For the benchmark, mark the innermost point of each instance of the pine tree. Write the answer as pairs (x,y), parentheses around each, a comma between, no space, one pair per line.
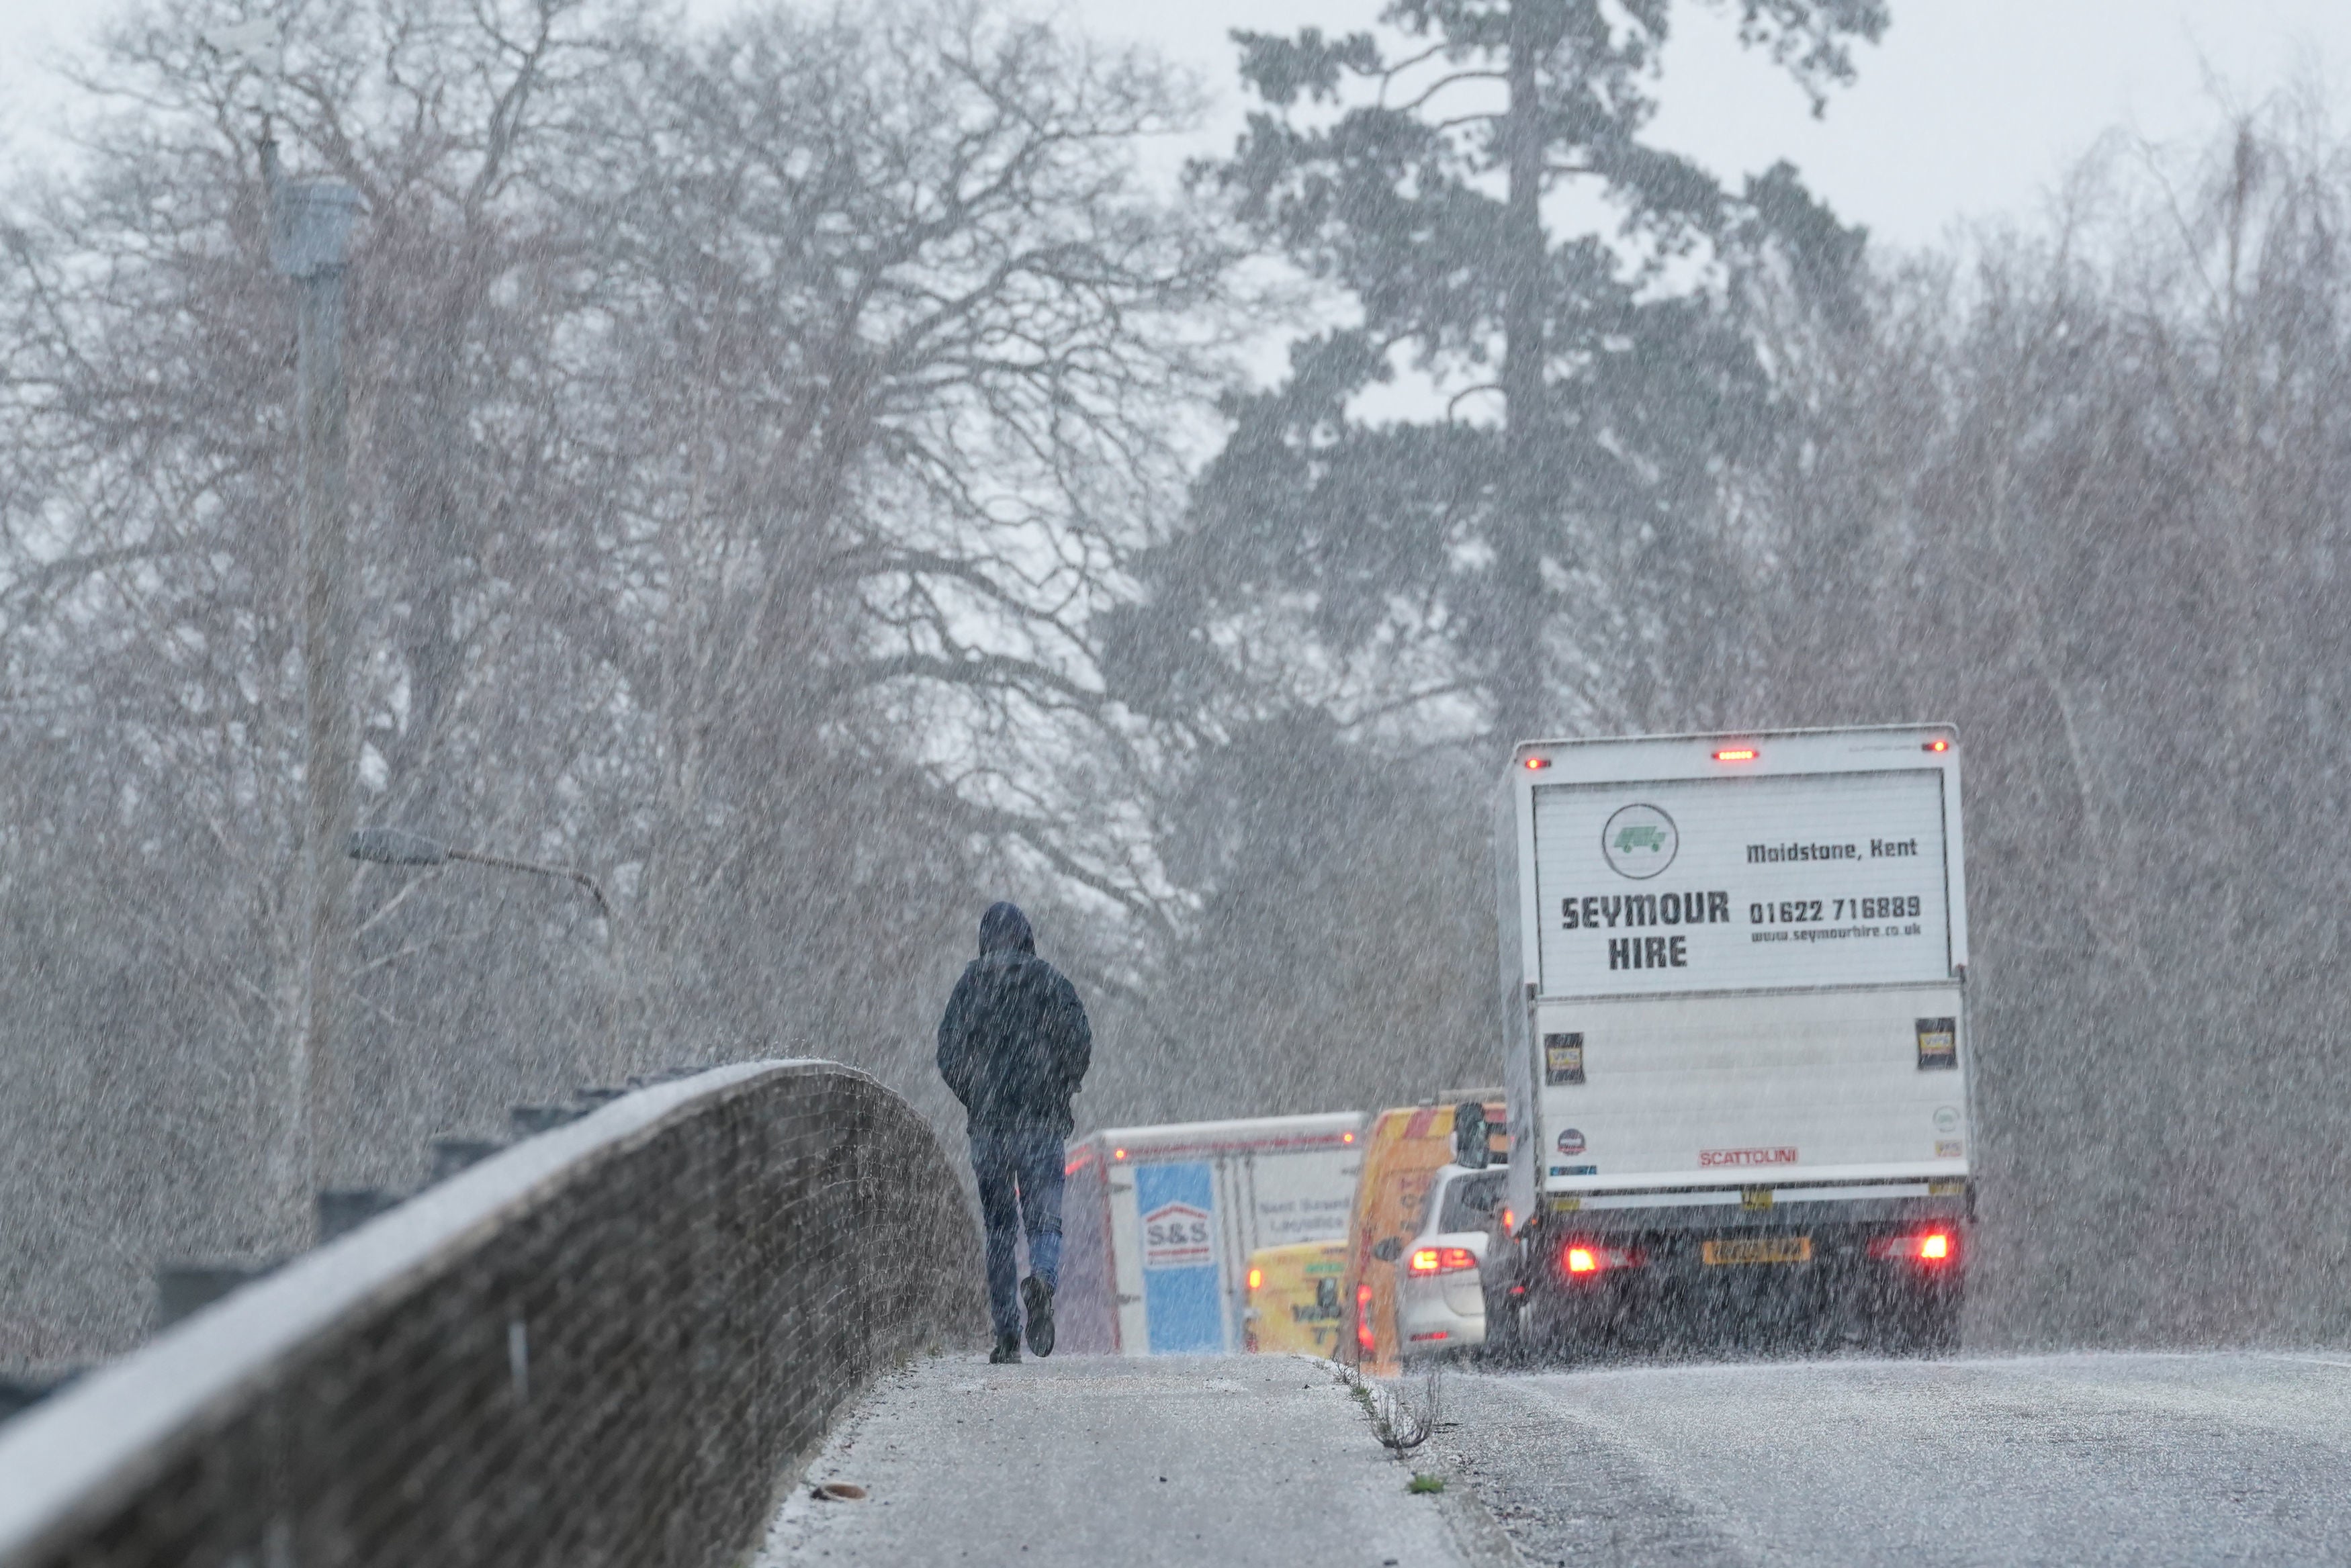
(1547,528)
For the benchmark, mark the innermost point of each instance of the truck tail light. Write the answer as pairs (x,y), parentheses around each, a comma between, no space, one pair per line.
(1257,1280)
(1366,1340)
(1931,1249)
(1426,1261)
(1584,1260)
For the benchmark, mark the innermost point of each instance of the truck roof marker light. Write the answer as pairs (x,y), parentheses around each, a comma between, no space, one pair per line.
(1534,763)
(1936,744)
(1118,1154)
(1737,755)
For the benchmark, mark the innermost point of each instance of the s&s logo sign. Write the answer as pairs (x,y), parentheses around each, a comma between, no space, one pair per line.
(1640,842)
(1176,1236)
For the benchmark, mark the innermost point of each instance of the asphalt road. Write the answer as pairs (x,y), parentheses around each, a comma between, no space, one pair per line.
(2073,1460)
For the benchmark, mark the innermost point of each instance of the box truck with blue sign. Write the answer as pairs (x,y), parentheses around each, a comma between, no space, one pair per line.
(1737,1051)
(1158,1223)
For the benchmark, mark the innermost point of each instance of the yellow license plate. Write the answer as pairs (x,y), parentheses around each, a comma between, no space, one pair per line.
(1760,1250)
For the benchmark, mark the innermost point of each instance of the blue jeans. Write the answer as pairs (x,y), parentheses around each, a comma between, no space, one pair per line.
(1020,1172)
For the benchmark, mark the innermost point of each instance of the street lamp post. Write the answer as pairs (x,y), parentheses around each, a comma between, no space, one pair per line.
(309,234)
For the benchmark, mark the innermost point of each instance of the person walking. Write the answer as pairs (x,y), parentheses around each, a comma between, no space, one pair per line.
(1014,1045)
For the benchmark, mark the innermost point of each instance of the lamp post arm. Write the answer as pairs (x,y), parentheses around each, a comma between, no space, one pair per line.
(503,863)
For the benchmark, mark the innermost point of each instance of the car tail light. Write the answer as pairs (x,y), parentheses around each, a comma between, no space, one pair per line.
(1366,1340)
(1931,1248)
(1585,1258)
(1441,1261)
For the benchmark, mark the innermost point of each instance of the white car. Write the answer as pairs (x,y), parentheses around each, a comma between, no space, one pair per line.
(1440,1284)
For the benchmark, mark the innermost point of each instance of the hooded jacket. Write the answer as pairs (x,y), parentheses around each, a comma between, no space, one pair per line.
(1014,1043)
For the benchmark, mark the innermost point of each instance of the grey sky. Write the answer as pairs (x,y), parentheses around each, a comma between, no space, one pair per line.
(1970,110)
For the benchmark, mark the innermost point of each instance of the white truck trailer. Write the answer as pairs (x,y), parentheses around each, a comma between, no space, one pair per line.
(1158,1223)
(1737,1053)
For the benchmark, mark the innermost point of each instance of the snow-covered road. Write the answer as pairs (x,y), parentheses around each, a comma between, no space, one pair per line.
(2076,1459)
(1094,1462)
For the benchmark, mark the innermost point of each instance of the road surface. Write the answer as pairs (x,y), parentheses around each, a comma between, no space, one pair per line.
(2073,1459)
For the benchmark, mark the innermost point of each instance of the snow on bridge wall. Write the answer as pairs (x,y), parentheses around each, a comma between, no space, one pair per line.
(608,1345)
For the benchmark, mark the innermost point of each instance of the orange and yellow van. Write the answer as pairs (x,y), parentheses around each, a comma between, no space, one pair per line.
(1404,1150)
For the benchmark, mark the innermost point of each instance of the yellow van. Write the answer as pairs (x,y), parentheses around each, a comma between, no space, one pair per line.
(1297,1299)
(1404,1150)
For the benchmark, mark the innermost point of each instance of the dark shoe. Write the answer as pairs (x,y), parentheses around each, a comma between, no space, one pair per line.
(1037,1297)
(1006,1352)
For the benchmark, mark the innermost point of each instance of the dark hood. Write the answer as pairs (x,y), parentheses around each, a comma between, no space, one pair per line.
(1004,929)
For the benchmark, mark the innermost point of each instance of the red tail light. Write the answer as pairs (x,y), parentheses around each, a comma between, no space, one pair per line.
(1737,755)
(1441,1261)
(1930,1249)
(1366,1340)
(1585,1258)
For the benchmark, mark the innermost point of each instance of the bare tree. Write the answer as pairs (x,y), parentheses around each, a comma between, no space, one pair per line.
(746,427)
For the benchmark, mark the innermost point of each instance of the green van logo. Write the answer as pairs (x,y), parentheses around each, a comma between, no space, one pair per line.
(1640,842)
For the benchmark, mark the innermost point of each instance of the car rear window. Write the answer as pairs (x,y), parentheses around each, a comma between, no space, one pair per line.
(1472,1201)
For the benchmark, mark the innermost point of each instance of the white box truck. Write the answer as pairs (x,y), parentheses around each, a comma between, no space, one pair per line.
(1737,1048)
(1158,1223)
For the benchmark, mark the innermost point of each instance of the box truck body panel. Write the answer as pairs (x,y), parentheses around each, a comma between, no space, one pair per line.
(1158,1223)
(1751,1088)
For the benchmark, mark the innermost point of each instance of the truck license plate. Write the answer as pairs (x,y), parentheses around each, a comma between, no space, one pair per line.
(1758,1250)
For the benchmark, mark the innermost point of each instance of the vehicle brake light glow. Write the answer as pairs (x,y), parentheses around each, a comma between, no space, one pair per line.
(1737,755)
(1938,744)
(1257,1279)
(1429,1260)
(1932,1248)
(1509,1223)
(1346,1137)
(1534,763)
(1118,1154)
(1366,1340)
(1587,1258)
